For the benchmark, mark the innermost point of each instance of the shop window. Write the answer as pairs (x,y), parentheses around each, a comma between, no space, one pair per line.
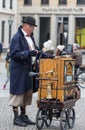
(27,2)
(80,1)
(80,32)
(44,2)
(62,31)
(62,2)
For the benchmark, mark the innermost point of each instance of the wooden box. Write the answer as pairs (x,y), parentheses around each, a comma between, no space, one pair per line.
(58,73)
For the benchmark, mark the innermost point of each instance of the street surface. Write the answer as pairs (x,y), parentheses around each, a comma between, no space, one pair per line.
(6,114)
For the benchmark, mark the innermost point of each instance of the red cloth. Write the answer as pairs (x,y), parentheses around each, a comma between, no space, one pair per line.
(28,35)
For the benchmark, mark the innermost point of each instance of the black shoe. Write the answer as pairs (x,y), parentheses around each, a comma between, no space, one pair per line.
(18,121)
(27,120)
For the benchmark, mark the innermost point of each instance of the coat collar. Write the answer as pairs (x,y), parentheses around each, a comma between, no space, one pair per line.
(20,31)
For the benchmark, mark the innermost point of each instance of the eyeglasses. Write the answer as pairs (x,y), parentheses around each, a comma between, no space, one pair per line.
(31,26)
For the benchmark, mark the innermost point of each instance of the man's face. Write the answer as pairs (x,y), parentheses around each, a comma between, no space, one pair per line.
(30,28)
(74,48)
(57,51)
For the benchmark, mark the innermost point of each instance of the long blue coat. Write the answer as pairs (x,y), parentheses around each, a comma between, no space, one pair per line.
(20,64)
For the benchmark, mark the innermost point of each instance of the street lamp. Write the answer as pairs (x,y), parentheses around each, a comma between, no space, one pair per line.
(10,21)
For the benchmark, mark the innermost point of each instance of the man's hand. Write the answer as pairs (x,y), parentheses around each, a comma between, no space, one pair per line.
(33,52)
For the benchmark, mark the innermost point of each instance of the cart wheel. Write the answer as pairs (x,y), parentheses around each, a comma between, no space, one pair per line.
(63,120)
(48,118)
(81,79)
(71,117)
(39,119)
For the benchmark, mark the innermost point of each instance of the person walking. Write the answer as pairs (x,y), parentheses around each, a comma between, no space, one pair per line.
(1,49)
(77,55)
(7,65)
(23,51)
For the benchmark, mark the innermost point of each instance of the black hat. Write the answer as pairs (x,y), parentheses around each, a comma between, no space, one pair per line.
(30,20)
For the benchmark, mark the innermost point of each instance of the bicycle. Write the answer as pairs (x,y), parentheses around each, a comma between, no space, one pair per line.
(81,76)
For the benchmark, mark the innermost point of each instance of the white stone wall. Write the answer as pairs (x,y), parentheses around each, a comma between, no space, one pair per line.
(5,14)
(53,10)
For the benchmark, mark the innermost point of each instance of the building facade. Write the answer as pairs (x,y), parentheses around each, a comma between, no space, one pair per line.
(62,21)
(8,11)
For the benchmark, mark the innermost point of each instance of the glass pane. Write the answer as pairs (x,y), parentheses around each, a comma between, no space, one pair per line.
(28,2)
(80,31)
(80,1)
(62,1)
(3,4)
(11,1)
(3,28)
(44,1)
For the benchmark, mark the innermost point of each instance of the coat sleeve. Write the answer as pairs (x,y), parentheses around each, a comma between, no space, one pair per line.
(19,51)
(73,55)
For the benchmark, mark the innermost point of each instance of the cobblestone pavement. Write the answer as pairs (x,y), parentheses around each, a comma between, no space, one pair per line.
(6,114)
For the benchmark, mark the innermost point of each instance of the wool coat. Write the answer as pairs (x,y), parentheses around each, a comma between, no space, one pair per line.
(20,64)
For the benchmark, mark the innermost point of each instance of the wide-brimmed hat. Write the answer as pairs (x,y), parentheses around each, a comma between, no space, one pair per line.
(30,20)
(61,47)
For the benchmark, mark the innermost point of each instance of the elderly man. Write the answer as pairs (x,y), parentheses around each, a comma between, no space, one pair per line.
(23,51)
(77,55)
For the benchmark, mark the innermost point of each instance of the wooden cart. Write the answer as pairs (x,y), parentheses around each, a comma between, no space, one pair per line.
(56,94)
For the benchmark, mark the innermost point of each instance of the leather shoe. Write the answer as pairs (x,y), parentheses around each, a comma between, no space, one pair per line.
(18,121)
(27,120)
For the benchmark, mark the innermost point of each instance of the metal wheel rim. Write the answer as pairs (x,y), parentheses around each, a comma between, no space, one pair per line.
(39,119)
(48,119)
(63,120)
(71,118)
(81,80)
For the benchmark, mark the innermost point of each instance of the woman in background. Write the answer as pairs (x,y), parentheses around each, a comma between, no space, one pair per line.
(7,65)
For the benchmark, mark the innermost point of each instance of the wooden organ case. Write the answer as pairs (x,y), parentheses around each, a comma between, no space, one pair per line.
(57,79)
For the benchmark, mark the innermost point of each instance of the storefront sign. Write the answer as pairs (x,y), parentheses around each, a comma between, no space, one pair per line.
(63,10)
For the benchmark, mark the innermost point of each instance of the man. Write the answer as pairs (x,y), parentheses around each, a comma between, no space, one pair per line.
(23,52)
(77,55)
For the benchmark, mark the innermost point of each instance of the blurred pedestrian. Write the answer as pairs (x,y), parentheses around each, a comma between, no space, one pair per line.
(7,65)
(23,52)
(48,47)
(77,55)
(1,49)
(59,50)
